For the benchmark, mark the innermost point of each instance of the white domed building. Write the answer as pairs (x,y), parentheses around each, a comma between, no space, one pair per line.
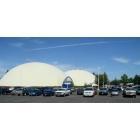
(79,78)
(33,74)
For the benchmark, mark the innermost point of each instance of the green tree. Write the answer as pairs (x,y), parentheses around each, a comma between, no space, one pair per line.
(137,80)
(96,79)
(115,82)
(87,85)
(124,79)
(130,80)
(101,79)
(105,78)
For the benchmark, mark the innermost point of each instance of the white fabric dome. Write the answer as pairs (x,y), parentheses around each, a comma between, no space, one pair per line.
(81,77)
(33,74)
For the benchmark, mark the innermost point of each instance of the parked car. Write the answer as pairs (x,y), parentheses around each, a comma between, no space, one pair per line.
(115,92)
(6,91)
(19,92)
(62,92)
(70,90)
(80,91)
(89,92)
(129,91)
(34,92)
(103,91)
(137,89)
(1,91)
(48,92)
(73,90)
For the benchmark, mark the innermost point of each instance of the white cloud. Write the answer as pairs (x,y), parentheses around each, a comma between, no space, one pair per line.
(137,63)
(66,67)
(17,44)
(68,45)
(38,41)
(29,60)
(3,69)
(121,60)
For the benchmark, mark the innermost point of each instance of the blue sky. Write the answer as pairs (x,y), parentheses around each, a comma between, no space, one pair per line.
(112,55)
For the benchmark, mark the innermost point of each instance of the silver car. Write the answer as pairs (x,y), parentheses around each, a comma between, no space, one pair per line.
(18,91)
(62,92)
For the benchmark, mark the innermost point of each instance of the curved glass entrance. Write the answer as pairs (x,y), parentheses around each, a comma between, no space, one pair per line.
(68,83)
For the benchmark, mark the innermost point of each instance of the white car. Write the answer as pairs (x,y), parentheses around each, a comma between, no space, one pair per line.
(89,92)
(129,92)
(115,92)
(62,92)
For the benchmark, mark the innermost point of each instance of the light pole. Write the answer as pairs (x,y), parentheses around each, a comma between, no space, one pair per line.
(98,77)
(99,68)
(98,81)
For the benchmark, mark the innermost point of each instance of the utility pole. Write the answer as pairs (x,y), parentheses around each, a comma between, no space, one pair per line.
(98,77)
(98,80)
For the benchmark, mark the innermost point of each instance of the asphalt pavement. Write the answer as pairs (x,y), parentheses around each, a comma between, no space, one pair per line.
(68,99)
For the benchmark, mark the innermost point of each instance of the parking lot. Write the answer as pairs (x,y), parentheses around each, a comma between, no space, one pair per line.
(68,99)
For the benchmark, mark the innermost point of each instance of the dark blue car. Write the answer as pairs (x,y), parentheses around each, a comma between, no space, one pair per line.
(48,92)
(34,92)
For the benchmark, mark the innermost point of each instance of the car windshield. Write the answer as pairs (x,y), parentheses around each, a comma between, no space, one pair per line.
(129,88)
(80,89)
(137,88)
(33,90)
(115,90)
(61,89)
(48,89)
(88,89)
(103,89)
(18,89)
